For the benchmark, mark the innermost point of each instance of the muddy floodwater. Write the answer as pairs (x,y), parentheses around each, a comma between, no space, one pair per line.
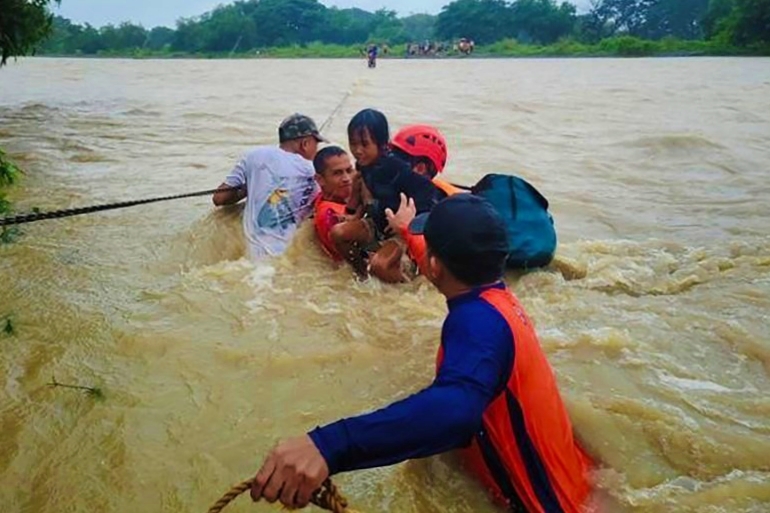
(654,314)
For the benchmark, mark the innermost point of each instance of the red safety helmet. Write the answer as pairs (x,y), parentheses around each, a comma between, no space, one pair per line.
(422,141)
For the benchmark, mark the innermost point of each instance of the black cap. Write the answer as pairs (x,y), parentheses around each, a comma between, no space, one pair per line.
(462,227)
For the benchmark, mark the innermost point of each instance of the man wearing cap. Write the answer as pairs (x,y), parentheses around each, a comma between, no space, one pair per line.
(279,185)
(494,394)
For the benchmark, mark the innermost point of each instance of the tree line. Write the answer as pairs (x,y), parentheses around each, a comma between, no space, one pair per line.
(249,25)
(245,25)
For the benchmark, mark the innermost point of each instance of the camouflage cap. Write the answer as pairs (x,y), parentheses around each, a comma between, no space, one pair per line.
(296,126)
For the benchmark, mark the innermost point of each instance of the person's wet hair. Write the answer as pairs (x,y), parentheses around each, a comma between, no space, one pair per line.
(372,121)
(319,162)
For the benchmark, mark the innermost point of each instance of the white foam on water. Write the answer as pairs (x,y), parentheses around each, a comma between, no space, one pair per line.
(699,385)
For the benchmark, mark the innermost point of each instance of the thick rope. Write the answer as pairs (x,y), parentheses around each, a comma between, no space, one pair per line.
(39,216)
(327,497)
(328,121)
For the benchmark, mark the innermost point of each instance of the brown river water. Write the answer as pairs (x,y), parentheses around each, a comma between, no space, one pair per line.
(654,313)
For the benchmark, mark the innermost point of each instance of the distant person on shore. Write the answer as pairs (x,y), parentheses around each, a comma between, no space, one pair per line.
(279,185)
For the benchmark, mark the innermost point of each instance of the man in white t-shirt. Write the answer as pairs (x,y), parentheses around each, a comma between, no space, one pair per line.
(279,185)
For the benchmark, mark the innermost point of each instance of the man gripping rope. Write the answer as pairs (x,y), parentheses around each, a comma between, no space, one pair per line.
(279,185)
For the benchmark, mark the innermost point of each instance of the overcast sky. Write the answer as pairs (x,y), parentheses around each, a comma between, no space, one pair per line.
(151,13)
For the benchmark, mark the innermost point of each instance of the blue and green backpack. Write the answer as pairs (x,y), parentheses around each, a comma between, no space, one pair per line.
(531,231)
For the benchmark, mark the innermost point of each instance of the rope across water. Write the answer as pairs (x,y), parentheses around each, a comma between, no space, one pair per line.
(39,216)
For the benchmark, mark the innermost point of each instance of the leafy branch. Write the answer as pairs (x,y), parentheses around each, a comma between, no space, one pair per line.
(23,25)
(9,235)
(8,328)
(9,172)
(95,392)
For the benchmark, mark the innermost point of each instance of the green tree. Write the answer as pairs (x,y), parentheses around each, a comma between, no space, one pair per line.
(386,26)
(542,21)
(68,38)
(419,27)
(287,22)
(59,37)
(621,16)
(189,35)
(590,28)
(484,21)
(88,40)
(678,18)
(159,38)
(250,24)
(229,27)
(717,13)
(650,19)
(748,22)
(345,26)
(126,36)
(23,25)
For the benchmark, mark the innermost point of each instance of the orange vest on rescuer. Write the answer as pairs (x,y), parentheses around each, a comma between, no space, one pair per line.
(525,453)
(447,187)
(327,214)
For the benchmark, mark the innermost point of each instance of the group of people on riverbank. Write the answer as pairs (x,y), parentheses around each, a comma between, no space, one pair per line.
(430,48)
(386,212)
(427,48)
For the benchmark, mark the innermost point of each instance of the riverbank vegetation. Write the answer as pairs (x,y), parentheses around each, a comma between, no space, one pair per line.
(621,46)
(499,28)
(24,24)
(9,174)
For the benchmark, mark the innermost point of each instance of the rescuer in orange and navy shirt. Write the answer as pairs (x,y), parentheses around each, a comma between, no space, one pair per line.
(334,173)
(494,394)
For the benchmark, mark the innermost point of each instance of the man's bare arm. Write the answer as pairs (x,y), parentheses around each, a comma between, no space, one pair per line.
(227,195)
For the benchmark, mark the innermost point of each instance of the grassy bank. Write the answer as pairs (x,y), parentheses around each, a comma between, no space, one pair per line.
(9,174)
(624,46)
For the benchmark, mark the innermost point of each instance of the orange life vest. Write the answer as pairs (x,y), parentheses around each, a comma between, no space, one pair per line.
(326,216)
(447,187)
(525,452)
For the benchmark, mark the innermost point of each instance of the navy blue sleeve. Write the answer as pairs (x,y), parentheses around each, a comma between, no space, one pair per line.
(478,357)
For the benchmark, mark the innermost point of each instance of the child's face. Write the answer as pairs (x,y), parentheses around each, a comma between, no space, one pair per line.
(363,148)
